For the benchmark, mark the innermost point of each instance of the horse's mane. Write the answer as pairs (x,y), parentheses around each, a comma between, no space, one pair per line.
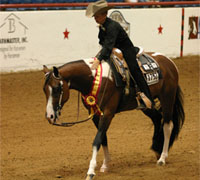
(69,63)
(48,75)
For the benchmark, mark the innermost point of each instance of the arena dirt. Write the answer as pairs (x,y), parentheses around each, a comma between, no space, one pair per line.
(32,149)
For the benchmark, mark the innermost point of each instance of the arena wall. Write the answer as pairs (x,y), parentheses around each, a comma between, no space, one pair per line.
(29,39)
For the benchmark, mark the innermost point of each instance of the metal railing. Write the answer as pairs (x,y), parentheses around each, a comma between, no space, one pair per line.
(114,4)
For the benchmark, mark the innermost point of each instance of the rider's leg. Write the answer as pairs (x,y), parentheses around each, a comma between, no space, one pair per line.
(130,57)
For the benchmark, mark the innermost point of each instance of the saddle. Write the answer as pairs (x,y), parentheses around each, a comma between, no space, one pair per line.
(148,66)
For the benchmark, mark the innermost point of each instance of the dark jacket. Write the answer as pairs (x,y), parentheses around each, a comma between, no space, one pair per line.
(112,35)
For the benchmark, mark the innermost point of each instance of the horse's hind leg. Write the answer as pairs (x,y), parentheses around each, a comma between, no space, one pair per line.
(167,128)
(158,137)
(167,103)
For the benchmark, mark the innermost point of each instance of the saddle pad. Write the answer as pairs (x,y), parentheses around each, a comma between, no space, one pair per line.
(147,64)
(149,68)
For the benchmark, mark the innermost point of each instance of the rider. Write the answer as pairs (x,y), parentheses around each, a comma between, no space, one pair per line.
(112,35)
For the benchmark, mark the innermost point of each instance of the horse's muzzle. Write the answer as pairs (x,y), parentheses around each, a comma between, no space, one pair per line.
(52,118)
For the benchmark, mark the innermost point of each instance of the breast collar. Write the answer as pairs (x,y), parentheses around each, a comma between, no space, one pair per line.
(91,99)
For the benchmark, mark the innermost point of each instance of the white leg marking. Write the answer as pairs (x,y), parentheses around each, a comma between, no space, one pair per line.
(167,128)
(93,162)
(49,108)
(106,160)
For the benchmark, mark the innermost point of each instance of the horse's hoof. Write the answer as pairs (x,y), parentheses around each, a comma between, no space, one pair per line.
(103,169)
(161,163)
(89,177)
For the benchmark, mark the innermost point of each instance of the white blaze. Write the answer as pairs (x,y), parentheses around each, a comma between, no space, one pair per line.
(49,108)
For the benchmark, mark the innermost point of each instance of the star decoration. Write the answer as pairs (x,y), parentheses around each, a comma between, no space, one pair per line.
(160,29)
(66,34)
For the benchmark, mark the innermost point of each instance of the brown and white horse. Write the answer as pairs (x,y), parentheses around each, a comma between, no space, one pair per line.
(105,99)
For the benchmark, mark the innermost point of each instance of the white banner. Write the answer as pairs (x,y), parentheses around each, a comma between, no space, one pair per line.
(155,29)
(30,39)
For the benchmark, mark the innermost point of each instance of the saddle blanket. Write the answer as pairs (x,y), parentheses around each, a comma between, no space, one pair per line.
(147,64)
(149,68)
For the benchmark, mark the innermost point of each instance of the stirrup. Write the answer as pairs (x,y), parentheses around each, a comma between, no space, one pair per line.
(143,102)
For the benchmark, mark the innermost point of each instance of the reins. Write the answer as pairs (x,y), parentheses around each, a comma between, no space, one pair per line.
(69,124)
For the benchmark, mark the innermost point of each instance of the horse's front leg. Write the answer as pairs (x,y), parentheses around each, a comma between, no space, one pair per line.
(96,145)
(104,143)
(92,166)
(105,165)
(101,134)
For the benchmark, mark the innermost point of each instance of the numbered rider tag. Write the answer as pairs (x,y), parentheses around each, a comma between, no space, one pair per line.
(152,78)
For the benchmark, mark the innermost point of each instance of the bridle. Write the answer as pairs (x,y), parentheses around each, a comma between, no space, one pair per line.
(59,107)
(58,111)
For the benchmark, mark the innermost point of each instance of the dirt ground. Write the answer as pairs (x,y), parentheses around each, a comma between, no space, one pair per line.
(32,149)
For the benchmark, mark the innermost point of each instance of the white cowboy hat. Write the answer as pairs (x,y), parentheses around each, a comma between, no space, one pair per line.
(97,7)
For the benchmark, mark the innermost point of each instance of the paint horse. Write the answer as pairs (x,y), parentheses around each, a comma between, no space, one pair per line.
(103,100)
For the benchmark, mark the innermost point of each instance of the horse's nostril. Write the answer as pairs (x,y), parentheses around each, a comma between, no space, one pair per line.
(52,116)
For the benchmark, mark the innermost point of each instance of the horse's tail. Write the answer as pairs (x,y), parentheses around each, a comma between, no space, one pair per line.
(178,116)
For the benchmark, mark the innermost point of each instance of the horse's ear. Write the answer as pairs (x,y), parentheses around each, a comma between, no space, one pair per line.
(45,69)
(56,73)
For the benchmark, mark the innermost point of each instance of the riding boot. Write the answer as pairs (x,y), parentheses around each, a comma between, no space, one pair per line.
(141,82)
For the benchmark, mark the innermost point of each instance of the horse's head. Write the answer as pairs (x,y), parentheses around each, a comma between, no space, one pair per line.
(57,93)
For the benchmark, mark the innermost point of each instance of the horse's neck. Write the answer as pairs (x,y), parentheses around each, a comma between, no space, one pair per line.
(78,75)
